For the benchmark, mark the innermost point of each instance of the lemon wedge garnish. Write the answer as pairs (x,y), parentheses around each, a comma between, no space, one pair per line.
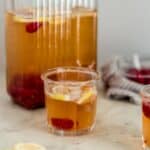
(60,92)
(28,20)
(60,97)
(28,146)
(85,97)
(57,20)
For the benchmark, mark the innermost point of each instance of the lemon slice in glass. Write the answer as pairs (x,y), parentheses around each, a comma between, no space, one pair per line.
(60,97)
(28,146)
(85,97)
(60,92)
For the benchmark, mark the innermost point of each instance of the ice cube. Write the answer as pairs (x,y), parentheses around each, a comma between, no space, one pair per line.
(60,89)
(75,93)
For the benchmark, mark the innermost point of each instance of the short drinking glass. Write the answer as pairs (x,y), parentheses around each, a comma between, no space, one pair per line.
(71,96)
(146,116)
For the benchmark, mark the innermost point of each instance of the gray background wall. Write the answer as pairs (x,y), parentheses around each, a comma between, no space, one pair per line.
(2,49)
(124,28)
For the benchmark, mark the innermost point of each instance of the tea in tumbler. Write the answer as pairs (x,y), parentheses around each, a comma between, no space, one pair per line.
(71,97)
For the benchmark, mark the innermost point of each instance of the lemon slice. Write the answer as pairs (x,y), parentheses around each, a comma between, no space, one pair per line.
(28,146)
(55,20)
(60,92)
(85,97)
(60,97)
(28,20)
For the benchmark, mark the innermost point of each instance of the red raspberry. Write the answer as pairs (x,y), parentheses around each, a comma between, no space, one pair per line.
(146,109)
(27,91)
(33,27)
(64,124)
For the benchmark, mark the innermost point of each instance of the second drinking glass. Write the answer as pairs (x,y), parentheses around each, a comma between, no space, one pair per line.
(145,93)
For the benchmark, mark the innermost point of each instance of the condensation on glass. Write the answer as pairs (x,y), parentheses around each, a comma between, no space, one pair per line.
(42,34)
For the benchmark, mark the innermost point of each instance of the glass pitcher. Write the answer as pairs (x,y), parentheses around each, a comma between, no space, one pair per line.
(43,34)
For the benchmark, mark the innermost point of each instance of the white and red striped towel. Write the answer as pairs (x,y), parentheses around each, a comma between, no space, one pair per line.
(118,86)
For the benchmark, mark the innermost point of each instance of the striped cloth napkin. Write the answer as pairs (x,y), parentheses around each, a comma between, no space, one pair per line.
(118,86)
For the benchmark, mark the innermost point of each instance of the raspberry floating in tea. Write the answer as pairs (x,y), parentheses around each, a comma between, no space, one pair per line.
(33,27)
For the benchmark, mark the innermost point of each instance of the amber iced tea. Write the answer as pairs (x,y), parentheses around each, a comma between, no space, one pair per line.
(146,116)
(71,97)
(35,43)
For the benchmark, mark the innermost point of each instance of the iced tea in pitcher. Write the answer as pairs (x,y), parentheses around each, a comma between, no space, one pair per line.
(41,38)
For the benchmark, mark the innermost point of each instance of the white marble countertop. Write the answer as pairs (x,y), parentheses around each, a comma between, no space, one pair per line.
(118,127)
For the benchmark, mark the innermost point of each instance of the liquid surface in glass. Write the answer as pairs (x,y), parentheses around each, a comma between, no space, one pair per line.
(36,43)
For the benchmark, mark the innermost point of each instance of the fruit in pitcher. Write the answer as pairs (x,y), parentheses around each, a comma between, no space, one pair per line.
(33,27)
(27,90)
